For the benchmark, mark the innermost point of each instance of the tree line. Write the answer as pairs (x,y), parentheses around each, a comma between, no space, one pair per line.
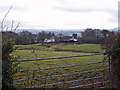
(87,36)
(26,37)
(95,35)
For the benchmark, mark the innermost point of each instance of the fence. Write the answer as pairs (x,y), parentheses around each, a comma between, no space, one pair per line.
(65,72)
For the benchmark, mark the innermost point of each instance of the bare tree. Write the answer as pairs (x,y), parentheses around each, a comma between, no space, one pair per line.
(2,23)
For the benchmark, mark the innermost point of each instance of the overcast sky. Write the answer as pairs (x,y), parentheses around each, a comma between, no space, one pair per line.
(61,14)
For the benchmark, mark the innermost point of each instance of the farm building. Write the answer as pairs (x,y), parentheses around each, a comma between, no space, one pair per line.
(72,40)
(49,40)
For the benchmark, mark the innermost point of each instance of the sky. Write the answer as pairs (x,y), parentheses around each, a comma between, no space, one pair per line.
(60,14)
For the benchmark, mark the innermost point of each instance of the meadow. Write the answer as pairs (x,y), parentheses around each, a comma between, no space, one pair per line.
(38,51)
(95,48)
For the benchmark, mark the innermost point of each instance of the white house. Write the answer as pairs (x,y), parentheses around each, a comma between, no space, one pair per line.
(49,40)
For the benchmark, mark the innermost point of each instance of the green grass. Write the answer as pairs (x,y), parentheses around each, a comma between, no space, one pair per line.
(82,47)
(33,47)
(25,52)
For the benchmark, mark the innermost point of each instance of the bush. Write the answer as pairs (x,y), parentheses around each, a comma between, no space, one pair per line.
(112,48)
(115,63)
(9,64)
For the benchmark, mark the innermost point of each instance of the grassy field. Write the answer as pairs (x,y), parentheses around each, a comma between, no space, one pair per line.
(33,46)
(38,51)
(26,54)
(83,47)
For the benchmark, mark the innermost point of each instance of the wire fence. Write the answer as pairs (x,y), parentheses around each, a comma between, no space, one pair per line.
(64,72)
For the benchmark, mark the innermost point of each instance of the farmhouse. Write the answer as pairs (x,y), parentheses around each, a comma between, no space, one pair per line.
(49,40)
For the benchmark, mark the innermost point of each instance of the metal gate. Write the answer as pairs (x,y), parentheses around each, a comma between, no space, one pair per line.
(66,74)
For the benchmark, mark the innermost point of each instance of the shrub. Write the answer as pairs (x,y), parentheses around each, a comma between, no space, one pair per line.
(112,48)
(9,64)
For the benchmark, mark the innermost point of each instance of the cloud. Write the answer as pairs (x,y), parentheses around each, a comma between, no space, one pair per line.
(18,8)
(110,11)
(4,8)
(61,13)
(84,10)
(114,19)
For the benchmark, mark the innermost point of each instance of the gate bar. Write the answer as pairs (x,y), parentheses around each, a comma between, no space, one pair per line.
(67,82)
(59,57)
(60,66)
(59,75)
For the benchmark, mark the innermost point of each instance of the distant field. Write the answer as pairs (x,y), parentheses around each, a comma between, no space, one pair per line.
(32,47)
(25,52)
(83,47)
(39,51)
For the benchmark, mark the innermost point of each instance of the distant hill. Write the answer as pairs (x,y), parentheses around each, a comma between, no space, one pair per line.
(55,31)
(114,30)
